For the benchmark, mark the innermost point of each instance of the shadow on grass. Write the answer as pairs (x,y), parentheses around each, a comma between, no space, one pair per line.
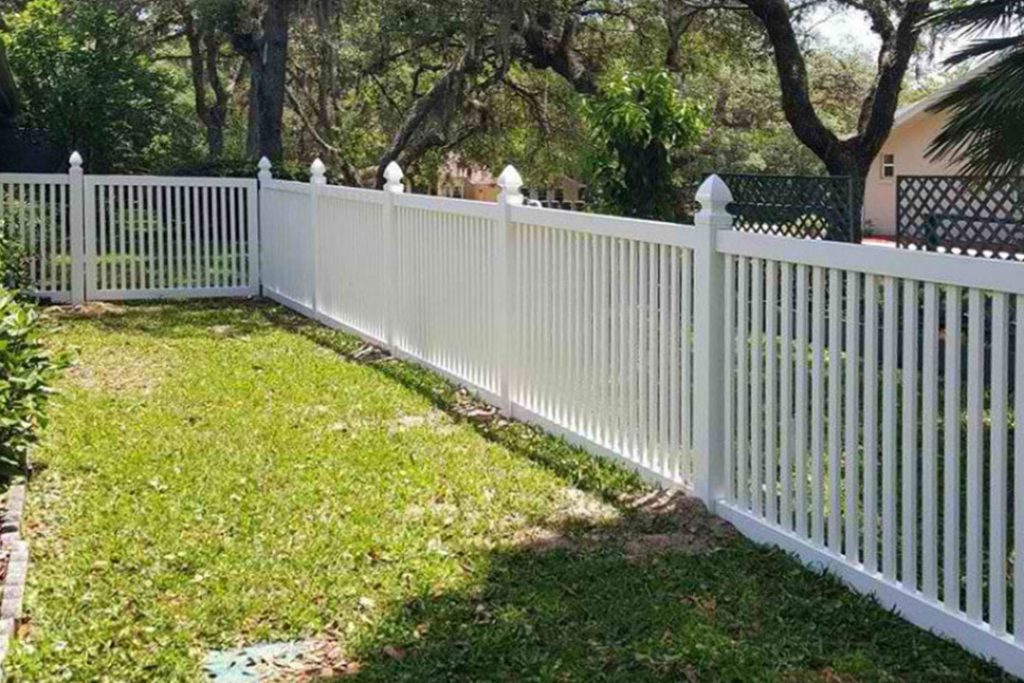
(598,613)
(172,319)
(658,597)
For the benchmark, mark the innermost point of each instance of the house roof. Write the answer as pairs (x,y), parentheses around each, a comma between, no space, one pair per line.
(915,110)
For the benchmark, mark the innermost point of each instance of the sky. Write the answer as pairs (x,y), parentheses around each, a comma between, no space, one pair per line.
(846,28)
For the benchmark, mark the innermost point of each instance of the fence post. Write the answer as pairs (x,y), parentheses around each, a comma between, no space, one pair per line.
(510,183)
(256,229)
(76,186)
(392,185)
(709,341)
(317,179)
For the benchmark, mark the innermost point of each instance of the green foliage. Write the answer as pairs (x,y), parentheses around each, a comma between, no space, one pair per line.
(238,167)
(86,78)
(985,127)
(637,123)
(27,371)
(14,259)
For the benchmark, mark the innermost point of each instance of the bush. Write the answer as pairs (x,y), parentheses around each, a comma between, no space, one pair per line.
(227,167)
(27,372)
(14,259)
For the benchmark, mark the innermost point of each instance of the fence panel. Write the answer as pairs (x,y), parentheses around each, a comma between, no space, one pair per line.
(352,259)
(603,331)
(902,470)
(36,210)
(969,215)
(149,237)
(287,240)
(444,312)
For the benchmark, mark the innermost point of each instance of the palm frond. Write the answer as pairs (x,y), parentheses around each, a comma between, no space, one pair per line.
(977,17)
(985,129)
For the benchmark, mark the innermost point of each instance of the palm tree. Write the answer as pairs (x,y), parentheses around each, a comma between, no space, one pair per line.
(985,129)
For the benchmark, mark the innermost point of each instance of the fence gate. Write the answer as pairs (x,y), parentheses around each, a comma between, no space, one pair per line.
(148,237)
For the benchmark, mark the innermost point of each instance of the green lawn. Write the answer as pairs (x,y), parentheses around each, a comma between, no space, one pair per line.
(227,474)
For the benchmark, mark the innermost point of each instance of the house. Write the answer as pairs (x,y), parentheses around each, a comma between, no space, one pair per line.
(905,153)
(466,180)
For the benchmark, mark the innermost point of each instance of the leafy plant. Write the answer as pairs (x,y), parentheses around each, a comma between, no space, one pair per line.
(985,128)
(27,372)
(84,79)
(636,125)
(14,258)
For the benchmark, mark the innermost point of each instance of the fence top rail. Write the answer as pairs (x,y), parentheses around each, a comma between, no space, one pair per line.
(48,178)
(946,269)
(462,207)
(287,186)
(355,194)
(672,234)
(169,181)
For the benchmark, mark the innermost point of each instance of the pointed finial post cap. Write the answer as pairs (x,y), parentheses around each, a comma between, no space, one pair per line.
(75,160)
(393,177)
(510,183)
(264,166)
(713,195)
(317,172)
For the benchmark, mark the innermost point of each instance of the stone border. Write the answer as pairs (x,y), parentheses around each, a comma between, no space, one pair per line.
(17,567)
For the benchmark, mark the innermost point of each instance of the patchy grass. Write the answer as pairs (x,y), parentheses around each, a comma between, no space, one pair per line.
(219,475)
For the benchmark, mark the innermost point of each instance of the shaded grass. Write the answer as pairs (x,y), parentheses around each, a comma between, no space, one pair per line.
(253,481)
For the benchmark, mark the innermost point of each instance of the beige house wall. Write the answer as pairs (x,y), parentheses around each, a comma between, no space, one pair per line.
(907,143)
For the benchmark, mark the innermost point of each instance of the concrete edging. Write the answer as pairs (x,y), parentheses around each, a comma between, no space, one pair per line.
(13,592)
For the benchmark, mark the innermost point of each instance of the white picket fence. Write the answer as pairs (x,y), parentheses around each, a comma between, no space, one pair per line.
(133,237)
(856,405)
(860,406)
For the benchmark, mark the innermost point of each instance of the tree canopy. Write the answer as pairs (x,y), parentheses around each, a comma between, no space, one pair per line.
(177,85)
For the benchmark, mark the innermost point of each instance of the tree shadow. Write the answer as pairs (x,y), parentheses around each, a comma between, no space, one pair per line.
(619,603)
(170,319)
(665,592)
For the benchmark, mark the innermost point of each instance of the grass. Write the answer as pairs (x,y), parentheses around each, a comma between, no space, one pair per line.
(227,474)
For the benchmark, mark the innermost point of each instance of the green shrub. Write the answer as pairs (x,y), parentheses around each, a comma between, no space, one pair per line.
(27,372)
(14,258)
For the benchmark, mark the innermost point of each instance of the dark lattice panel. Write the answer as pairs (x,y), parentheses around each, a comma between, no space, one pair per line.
(793,206)
(980,216)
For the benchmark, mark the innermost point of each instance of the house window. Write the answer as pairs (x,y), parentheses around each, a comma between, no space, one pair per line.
(888,166)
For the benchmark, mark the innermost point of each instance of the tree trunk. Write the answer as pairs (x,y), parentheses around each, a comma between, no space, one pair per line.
(271,92)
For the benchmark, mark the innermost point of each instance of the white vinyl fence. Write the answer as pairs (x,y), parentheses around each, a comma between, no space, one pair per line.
(133,237)
(860,406)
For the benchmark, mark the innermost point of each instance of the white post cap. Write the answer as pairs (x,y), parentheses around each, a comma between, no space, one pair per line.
(714,197)
(393,178)
(75,160)
(510,183)
(264,166)
(317,172)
